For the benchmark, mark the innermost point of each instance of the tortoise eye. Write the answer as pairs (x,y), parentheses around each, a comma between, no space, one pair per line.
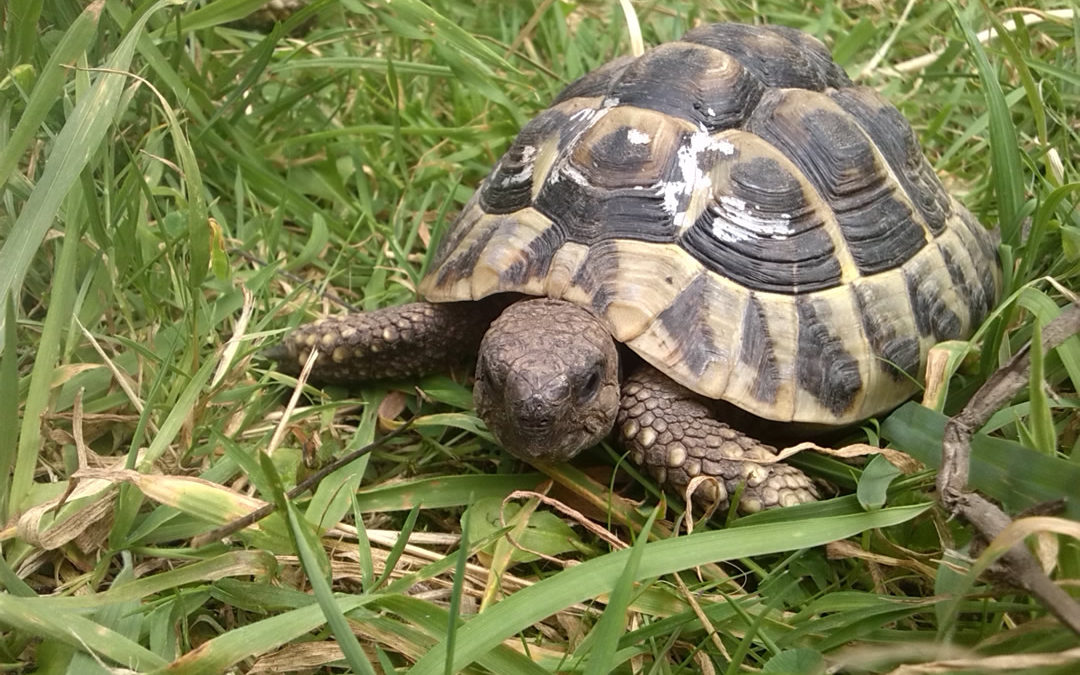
(591,386)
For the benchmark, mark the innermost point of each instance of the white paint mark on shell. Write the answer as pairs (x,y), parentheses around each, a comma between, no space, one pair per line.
(739,221)
(528,154)
(638,137)
(573,174)
(584,119)
(690,174)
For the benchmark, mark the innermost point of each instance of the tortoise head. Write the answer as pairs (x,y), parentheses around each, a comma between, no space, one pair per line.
(547,380)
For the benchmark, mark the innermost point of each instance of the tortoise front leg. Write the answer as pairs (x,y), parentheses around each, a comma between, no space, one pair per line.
(399,342)
(670,430)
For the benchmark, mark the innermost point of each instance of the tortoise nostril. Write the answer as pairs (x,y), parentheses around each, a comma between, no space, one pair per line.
(536,414)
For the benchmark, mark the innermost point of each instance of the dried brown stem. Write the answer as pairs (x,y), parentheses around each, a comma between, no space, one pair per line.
(1020,566)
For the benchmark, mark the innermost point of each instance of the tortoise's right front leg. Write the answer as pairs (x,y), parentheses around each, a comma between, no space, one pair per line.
(399,342)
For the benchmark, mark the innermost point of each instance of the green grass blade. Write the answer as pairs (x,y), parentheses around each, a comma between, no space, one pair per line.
(19,40)
(1046,310)
(874,482)
(257,637)
(454,611)
(432,619)
(57,320)
(33,618)
(599,575)
(612,624)
(179,412)
(1017,476)
(441,492)
(9,403)
(315,563)
(399,545)
(1007,168)
(49,85)
(1042,422)
(74,146)
(218,13)
(230,564)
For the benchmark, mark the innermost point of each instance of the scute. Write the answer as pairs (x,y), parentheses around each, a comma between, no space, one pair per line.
(762,225)
(701,85)
(843,165)
(779,56)
(740,215)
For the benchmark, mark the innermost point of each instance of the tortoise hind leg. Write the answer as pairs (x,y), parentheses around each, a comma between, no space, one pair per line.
(394,342)
(670,430)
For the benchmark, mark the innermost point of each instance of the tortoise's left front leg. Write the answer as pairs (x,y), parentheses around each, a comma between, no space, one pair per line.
(673,432)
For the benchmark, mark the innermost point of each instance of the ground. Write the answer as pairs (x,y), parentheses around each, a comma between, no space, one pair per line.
(177,188)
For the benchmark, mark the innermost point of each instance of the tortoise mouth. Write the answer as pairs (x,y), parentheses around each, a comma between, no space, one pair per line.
(536,428)
(549,447)
(554,434)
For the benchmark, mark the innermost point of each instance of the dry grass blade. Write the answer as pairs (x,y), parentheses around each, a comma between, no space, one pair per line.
(993,664)
(1030,17)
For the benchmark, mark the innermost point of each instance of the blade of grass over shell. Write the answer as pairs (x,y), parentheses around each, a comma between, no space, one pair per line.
(1008,170)
(73,148)
(599,575)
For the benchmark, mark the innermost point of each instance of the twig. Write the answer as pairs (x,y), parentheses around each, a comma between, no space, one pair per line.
(1020,566)
(299,489)
(1028,18)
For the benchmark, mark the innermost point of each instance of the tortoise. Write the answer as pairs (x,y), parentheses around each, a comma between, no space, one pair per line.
(725,222)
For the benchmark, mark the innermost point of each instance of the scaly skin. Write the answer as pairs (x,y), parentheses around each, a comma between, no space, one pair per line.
(547,387)
(547,380)
(393,342)
(672,432)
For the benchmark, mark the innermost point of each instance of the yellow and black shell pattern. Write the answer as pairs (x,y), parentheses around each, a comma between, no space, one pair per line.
(740,215)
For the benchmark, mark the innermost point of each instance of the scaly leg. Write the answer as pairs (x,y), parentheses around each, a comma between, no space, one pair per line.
(399,342)
(672,431)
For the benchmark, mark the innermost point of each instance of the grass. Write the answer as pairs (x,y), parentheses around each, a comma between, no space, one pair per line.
(176,189)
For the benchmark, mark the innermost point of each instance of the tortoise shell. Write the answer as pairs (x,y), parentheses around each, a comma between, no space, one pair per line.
(740,215)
